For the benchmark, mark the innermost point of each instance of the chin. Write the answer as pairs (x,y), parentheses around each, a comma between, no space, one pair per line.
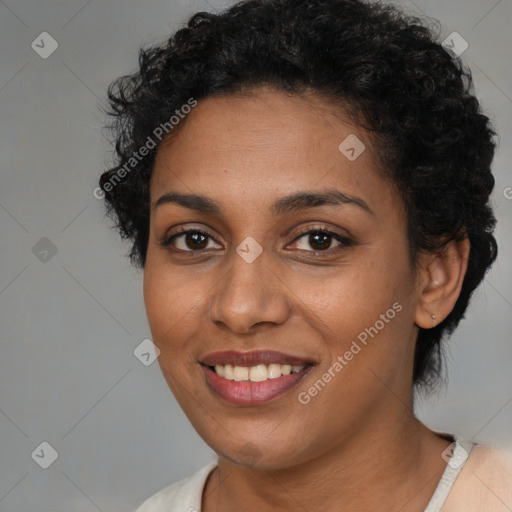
(259,453)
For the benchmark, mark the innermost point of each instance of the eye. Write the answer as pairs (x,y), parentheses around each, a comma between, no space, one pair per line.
(194,240)
(188,240)
(321,239)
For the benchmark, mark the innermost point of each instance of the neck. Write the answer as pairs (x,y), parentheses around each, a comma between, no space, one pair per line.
(400,461)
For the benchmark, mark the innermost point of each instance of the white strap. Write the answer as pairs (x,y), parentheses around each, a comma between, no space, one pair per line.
(461,450)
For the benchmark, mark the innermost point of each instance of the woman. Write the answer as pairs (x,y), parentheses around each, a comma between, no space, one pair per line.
(306,185)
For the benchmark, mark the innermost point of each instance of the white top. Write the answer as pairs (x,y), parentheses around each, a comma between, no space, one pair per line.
(476,479)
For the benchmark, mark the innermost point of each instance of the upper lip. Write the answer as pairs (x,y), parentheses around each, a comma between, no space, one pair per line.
(252,358)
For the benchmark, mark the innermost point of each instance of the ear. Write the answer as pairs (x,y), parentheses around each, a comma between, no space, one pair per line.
(440,281)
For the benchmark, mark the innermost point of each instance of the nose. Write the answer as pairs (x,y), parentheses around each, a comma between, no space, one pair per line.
(250,293)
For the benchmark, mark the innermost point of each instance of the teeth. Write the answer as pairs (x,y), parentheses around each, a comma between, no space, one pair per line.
(228,371)
(274,371)
(240,373)
(257,373)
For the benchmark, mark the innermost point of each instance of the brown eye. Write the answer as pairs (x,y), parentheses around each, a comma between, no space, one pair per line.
(321,240)
(189,240)
(193,240)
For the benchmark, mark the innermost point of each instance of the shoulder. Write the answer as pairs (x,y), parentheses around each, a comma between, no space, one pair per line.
(484,483)
(184,495)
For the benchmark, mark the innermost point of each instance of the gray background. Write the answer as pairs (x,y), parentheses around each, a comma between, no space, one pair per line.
(68,375)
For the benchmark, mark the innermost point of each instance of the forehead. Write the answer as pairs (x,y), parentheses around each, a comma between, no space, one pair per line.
(266,143)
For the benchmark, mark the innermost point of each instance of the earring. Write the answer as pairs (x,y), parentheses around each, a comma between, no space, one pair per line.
(434,319)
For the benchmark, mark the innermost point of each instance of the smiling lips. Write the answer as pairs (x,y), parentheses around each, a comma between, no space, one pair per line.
(257,373)
(251,378)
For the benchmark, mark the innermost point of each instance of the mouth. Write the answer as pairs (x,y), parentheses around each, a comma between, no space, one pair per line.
(258,373)
(253,378)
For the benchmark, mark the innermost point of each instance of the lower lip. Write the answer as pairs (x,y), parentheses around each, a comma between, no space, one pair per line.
(252,393)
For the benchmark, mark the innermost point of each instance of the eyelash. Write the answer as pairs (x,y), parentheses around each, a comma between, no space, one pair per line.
(345,242)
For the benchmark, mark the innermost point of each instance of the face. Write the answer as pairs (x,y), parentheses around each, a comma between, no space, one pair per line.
(247,280)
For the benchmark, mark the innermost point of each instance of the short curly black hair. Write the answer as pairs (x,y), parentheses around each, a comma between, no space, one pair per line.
(394,78)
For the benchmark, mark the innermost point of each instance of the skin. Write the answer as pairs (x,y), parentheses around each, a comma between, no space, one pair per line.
(359,432)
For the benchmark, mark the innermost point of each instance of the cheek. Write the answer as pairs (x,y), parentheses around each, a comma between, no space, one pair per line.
(172,315)
(171,305)
(352,297)
(369,304)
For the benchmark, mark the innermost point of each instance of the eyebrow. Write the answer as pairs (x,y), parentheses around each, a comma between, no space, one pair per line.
(285,205)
